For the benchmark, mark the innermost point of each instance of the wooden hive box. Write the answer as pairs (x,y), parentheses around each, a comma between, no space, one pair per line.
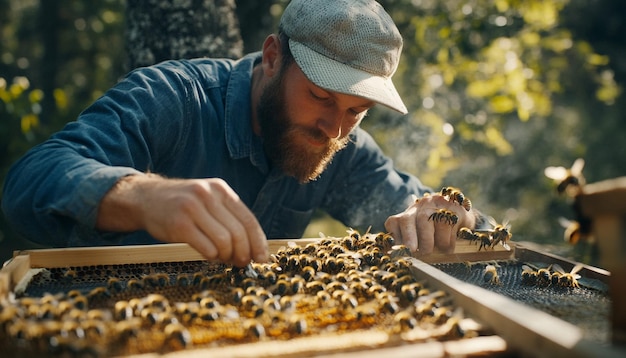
(518,330)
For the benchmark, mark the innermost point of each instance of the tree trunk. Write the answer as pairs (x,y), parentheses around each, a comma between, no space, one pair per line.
(158,30)
(49,22)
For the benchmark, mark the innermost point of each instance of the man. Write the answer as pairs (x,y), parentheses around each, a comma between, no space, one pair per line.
(223,154)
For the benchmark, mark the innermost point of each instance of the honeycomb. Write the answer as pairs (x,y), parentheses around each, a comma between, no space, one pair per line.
(581,301)
(357,282)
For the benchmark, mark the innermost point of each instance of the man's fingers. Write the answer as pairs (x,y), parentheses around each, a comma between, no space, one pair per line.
(425,235)
(197,240)
(256,243)
(443,233)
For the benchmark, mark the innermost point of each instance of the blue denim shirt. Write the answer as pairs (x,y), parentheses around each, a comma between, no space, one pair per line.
(189,119)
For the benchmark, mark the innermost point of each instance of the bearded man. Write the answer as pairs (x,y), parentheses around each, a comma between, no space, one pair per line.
(224,154)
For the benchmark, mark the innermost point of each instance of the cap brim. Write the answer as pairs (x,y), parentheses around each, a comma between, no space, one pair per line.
(339,77)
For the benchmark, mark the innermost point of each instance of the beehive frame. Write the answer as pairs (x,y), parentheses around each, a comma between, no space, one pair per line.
(518,327)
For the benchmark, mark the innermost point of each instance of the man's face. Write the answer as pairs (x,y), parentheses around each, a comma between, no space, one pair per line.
(303,125)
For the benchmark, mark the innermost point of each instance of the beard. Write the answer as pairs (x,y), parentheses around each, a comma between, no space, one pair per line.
(286,144)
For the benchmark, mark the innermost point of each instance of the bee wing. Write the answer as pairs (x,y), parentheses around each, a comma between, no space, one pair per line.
(492,221)
(575,270)
(505,245)
(555,173)
(529,267)
(565,222)
(558,268)
(577,167)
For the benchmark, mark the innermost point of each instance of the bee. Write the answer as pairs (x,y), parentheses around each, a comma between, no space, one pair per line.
(134,284)
(156,280)
(399,250)
(115,285)
(156,301)
(467,234)
(42,311)
(388,304)
(385,240)
(73,294)
(315,286)
(348,300)
(98,292)
(249,302)
(93,329)
(177,336)
(308,273)
(254,329)
(323,296)
(209,302)
(405,320)
(99,315)
(569,181)
(122,310)
(70,274)
(297,325)
(455,195)
(444,215)
(272,304)
(485,240)
(566,279)
(269,276)
(491,275)
(184,280)
(282,287)
(544,276)
(500,233)
(529,275)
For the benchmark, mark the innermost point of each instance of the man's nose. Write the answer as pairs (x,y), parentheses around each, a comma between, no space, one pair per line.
(331,124)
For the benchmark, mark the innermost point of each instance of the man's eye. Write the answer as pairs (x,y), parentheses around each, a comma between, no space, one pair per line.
(359,112)
(319,98)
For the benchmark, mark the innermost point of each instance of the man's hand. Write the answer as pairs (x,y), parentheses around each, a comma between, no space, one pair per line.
(419,231)
(207,214)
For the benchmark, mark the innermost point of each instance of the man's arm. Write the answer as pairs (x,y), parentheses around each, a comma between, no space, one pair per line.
(205,213)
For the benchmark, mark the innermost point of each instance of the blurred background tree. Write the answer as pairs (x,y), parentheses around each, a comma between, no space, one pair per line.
(497,90)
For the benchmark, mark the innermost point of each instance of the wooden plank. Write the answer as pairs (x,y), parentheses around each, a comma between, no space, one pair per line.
(465,250)
(12,273)
(531,252)
(532,331)
(603,197)
(110,255)
(604,203)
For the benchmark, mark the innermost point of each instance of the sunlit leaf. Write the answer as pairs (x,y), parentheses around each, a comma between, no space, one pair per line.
(35,96)
(501,104)
(597,60)
(60,98)
(485,88)
(496,140)
(29,122)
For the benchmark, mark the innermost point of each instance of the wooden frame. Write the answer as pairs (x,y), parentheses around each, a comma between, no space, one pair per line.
(518,328)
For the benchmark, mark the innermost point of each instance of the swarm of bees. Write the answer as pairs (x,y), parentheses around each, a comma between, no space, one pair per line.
(333,285)
(553,275)
(498,234)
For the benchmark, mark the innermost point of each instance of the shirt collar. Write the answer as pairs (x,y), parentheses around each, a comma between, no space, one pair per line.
(240,138)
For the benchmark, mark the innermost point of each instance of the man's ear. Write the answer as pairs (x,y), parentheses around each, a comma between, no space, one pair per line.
(271,60)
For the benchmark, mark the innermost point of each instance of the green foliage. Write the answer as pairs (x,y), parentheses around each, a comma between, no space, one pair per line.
(497,90)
